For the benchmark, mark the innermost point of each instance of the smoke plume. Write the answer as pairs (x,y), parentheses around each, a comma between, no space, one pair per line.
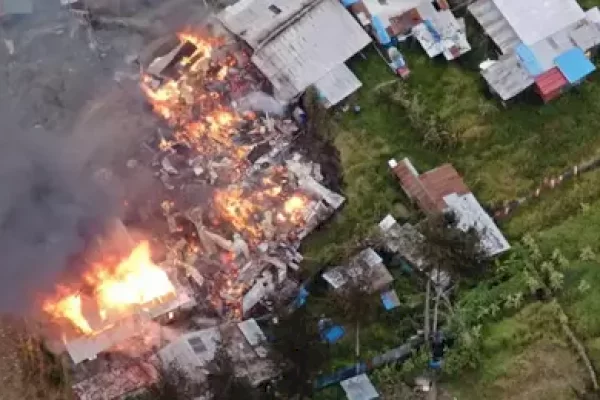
(260,101)
(49,207)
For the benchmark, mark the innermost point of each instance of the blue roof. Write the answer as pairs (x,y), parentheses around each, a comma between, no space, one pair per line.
(529,60)
(348,3)
(382,34)
(574,65)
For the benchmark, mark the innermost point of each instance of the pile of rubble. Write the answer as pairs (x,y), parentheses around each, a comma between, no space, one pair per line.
(239,202)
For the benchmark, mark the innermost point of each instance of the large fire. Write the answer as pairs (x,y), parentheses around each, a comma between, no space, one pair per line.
(219,138)
(133,282)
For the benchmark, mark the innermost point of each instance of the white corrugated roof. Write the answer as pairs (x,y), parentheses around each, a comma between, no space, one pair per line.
(534,20)
(470,214)
(337,84)
(254,20)
(88,347)
(191,359)
(391,8)
(310,47)
(593,15)
(359,388)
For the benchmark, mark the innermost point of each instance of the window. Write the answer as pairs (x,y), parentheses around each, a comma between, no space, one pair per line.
(274,9)
(197,345)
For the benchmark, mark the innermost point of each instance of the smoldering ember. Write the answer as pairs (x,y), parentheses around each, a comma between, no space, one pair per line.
(237,203)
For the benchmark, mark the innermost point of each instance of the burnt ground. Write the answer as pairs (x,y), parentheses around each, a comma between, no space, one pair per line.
(317,145)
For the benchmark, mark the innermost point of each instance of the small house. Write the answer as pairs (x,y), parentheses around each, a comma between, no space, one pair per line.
(368,265)
(544,45)
(298,44)
(443,190)
(430,22)
(193,352)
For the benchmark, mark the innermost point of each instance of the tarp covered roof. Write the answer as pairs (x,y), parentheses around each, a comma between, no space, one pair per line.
(574,65)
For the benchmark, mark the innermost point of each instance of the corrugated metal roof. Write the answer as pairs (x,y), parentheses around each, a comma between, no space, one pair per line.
(548,49)
(442,181)
(116,383)
(593,15)
(535,20)
(574,65)
(8,7)
(494,24)
(470,214)
(359,388)
(319,41)
(586,35)
(88,347)
(337,84)
(550,83)
(528,60)
(181,353)
(454,37)
(254,20)
(429,188)
(507,77)
(390,8)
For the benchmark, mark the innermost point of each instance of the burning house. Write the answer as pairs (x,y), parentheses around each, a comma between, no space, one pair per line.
(236,202)
(544,45)
(288,37)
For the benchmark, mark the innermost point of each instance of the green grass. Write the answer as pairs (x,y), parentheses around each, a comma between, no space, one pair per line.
(502,153)
(524,357)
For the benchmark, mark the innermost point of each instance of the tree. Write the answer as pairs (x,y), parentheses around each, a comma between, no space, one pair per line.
(223,383)
(452,250)
(300,352)
(354,303)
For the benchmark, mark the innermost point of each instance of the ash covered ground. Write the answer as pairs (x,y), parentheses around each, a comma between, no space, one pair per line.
(69,104)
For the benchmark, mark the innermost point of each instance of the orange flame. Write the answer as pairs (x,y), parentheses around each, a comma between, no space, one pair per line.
(69,307)
(134,281)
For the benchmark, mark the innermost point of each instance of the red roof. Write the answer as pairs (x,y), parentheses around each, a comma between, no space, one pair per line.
(429,189)
(550,83)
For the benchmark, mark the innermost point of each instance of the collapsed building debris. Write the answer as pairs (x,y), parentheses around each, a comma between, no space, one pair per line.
(236,204)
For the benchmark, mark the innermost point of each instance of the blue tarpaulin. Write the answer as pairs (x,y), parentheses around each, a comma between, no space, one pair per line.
(330,332)
(348,3)
(434,33)
(334,334)
(380,31)
(301,298)
(574,65)
(390,300)
(529,60)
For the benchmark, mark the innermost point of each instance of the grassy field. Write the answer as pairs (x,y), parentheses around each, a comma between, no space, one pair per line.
(501,153)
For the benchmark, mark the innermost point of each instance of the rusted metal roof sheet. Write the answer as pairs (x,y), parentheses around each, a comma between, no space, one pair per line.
(440,182)
(429,189)
(550,83)
(313,45)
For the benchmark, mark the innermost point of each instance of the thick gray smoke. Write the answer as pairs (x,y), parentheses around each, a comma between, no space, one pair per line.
(260,101)
(49,207)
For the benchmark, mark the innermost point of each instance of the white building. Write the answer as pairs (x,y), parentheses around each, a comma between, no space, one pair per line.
(298,43)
